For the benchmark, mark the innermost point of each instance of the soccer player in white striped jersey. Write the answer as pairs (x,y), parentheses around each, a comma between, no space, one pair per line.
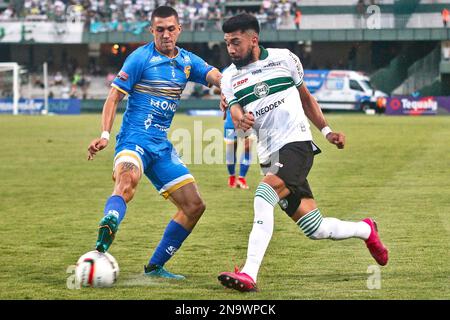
(265,91)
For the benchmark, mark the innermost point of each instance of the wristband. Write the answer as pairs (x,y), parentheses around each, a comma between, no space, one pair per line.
(105,135)
(326,130)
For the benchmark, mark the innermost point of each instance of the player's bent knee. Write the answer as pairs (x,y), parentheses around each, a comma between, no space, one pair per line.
(195,209)
(199,208)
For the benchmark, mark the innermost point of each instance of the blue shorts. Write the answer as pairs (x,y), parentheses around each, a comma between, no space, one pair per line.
(157,159)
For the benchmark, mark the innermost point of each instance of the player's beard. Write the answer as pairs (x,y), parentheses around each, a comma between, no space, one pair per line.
(247,59)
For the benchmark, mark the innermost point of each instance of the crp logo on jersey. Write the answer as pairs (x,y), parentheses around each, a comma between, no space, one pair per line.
(261,89)
(239,83)
(164,105)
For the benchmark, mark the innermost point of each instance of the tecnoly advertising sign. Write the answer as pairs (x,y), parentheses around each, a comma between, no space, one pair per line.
(407,105)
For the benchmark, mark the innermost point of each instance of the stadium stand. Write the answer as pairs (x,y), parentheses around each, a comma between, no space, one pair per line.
(133,15)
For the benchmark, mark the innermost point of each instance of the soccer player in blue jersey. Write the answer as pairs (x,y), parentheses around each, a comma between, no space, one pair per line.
(231,141)
(153,77)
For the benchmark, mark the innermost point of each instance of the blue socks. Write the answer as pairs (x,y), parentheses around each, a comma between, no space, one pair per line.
(245,164)
(231,161)
(231,169)
(171,241)
(230,156)
(117,206)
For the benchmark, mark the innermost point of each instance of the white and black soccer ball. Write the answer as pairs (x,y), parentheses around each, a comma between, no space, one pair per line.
(96,269)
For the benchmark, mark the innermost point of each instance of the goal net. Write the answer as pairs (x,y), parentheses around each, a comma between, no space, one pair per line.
(9,87)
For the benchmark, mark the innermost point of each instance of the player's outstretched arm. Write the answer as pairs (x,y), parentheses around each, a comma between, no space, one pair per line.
(213,77)
(314,113)
(108,115)
(223,105)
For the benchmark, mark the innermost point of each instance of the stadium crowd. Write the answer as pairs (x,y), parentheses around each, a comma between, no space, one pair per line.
(112,15)
(196,15)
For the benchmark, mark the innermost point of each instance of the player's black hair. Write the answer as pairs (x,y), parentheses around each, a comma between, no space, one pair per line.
(164,12)
(241,22)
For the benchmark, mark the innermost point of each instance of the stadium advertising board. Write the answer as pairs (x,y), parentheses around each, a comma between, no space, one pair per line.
(41,32)
(36,106)
(407,105)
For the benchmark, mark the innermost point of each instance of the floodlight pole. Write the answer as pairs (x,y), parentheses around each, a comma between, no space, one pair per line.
(16,89)
(45,87)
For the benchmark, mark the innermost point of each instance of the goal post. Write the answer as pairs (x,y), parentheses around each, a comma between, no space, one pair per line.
(15,68)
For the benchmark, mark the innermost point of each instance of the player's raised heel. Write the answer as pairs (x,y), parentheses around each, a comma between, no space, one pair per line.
(376,248)
(160,272)
(106,232)
(238,281)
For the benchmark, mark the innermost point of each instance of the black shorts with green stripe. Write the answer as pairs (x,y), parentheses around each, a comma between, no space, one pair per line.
(292,164)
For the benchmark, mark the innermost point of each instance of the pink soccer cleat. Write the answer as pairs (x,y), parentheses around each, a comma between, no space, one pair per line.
(232,182)
(378,251)
(238,281)
(242,183)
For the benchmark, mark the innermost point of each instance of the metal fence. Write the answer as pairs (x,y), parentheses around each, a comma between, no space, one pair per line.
(422,73)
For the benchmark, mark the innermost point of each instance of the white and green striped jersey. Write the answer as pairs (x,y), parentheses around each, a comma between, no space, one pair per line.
(268,89)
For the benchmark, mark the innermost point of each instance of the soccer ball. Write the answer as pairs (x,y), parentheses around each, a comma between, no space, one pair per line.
(96,269)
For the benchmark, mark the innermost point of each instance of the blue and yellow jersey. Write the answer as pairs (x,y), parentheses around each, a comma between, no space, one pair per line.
(154,83)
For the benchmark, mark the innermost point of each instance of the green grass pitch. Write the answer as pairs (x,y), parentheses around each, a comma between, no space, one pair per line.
(394,169)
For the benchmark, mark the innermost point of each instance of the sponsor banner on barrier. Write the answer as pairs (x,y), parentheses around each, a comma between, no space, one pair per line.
(41,32)
(408,105)
(444,103)
(36,106)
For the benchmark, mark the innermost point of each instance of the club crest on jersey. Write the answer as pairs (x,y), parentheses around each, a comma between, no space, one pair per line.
(122,75)
(187,71)
(261,89)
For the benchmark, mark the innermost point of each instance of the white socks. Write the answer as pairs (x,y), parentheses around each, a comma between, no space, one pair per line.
(264,202)
(316,227)
(312,224)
